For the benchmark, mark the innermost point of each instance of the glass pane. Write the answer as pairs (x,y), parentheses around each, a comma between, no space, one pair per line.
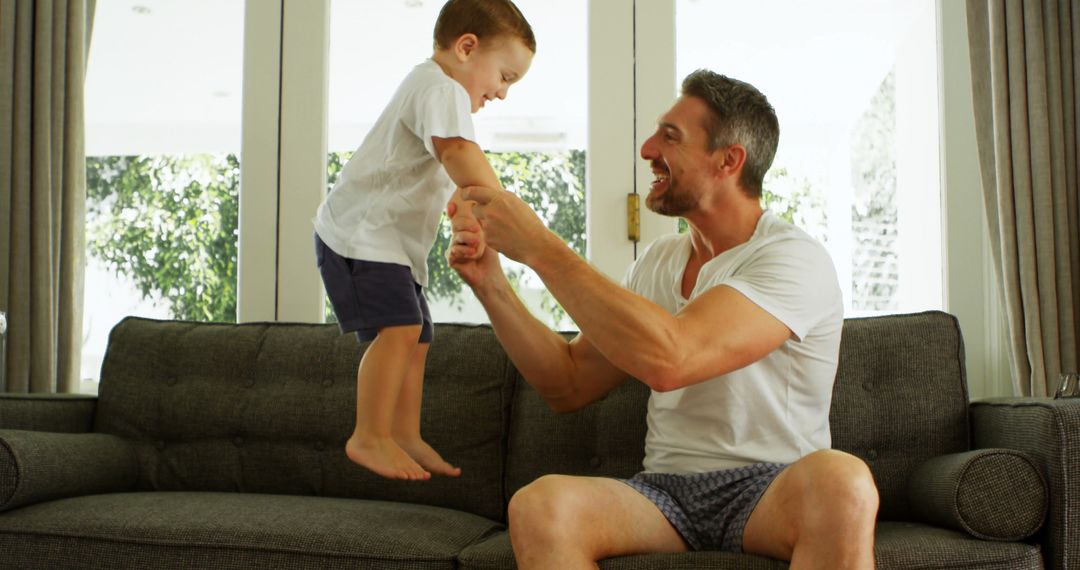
(855,90)
(163,137)
(535,139)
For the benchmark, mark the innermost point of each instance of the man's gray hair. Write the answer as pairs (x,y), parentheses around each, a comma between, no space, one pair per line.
(740,114)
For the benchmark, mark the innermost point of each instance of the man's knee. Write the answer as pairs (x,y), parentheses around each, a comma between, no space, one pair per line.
(547,511)
(538,508)
(841,485)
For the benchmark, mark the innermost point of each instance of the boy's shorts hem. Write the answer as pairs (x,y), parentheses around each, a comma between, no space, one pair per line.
(371,295)
(367,331)
(710,509)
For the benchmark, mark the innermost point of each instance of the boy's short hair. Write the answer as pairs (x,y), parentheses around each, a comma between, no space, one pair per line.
(485,19)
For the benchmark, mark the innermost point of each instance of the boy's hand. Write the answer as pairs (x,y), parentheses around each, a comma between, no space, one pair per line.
(477,271)
(467,239)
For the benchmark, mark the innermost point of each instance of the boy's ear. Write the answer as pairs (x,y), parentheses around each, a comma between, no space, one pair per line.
(466,45)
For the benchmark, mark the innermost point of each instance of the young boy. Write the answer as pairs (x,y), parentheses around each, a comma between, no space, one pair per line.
(375,228)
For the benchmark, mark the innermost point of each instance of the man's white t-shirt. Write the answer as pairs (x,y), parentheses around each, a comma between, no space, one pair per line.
(389,197)
(776,409)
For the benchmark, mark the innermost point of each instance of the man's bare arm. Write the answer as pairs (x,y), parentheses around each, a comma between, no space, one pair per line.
(568,375)
(720,331)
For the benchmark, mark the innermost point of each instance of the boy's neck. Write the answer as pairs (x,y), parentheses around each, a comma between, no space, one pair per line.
(445,59)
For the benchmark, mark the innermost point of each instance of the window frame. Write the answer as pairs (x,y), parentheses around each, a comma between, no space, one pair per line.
(283,169)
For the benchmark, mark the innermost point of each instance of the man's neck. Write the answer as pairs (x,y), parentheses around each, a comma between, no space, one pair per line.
(716,230)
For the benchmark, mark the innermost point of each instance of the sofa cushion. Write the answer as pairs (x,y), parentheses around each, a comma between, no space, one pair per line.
(235,530)
(40,466)
(916,546)
(900,398)
(606,438)
(898,546)
(267,408)
(996,494)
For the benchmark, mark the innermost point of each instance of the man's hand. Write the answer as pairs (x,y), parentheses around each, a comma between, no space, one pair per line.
(509,225)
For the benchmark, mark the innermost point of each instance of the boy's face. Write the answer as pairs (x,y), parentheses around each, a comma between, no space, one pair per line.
(488,69)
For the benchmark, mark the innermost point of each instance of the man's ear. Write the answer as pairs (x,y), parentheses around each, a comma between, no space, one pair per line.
(729,159)
(465,46)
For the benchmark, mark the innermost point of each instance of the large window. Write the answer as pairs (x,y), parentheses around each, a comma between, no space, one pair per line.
(163,146)
(853,82)
(535,139)
(855,89)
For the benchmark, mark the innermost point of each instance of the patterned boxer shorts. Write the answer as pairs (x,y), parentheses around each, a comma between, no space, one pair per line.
(710,509)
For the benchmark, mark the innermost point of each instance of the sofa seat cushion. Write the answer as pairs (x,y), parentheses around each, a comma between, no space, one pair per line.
(898,546)
(917,546)
(235,530)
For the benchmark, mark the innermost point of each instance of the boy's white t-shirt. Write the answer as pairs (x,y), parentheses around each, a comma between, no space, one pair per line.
(776,409)
(389,196)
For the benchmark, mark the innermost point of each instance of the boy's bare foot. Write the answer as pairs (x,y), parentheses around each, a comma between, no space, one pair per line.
(428,457)
(385,458)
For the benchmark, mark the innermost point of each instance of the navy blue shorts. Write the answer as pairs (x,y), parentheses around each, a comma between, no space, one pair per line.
(370,295)
(709,510)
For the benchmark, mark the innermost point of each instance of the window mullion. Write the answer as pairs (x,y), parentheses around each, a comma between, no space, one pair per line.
(655,88)
(304,102)
(611,148)
(257,252)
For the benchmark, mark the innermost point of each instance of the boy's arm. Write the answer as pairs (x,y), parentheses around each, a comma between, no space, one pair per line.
(466,165)
(465,162)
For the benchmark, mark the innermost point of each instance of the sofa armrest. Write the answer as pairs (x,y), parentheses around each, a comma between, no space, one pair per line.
(60,413)
(40,466)
(1048,431)
(992,494)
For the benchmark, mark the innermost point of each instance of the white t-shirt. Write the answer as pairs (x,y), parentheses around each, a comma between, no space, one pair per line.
(776,409)
(389,197)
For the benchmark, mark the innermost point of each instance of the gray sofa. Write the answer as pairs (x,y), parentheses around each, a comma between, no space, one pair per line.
(218,445)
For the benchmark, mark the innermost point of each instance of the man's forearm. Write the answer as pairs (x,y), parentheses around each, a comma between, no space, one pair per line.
(634,334)
(541,355)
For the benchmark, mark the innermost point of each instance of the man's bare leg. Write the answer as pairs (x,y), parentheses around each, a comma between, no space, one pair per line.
(566,522)
(407,418)
(817,513)
(378,385)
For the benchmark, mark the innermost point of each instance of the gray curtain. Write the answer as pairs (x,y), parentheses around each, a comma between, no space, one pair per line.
(1024,56)
(43,49)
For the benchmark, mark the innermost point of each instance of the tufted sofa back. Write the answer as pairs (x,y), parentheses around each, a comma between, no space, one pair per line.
(266,408)
(900,398)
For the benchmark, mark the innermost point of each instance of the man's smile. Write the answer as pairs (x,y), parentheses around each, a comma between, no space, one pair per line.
(661,174)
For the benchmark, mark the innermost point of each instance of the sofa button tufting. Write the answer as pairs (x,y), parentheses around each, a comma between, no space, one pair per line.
(171,381)
(595,462)
(319,446)
(238,441)
(327,383)
(159,444)
(871,454)
(249,383)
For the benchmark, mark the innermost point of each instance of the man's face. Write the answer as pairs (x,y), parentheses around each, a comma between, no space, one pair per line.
(679,157)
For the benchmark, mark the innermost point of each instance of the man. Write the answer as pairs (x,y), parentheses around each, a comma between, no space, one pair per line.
(735,327)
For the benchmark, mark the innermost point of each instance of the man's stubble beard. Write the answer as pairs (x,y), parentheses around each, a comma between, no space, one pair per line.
(672,203)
